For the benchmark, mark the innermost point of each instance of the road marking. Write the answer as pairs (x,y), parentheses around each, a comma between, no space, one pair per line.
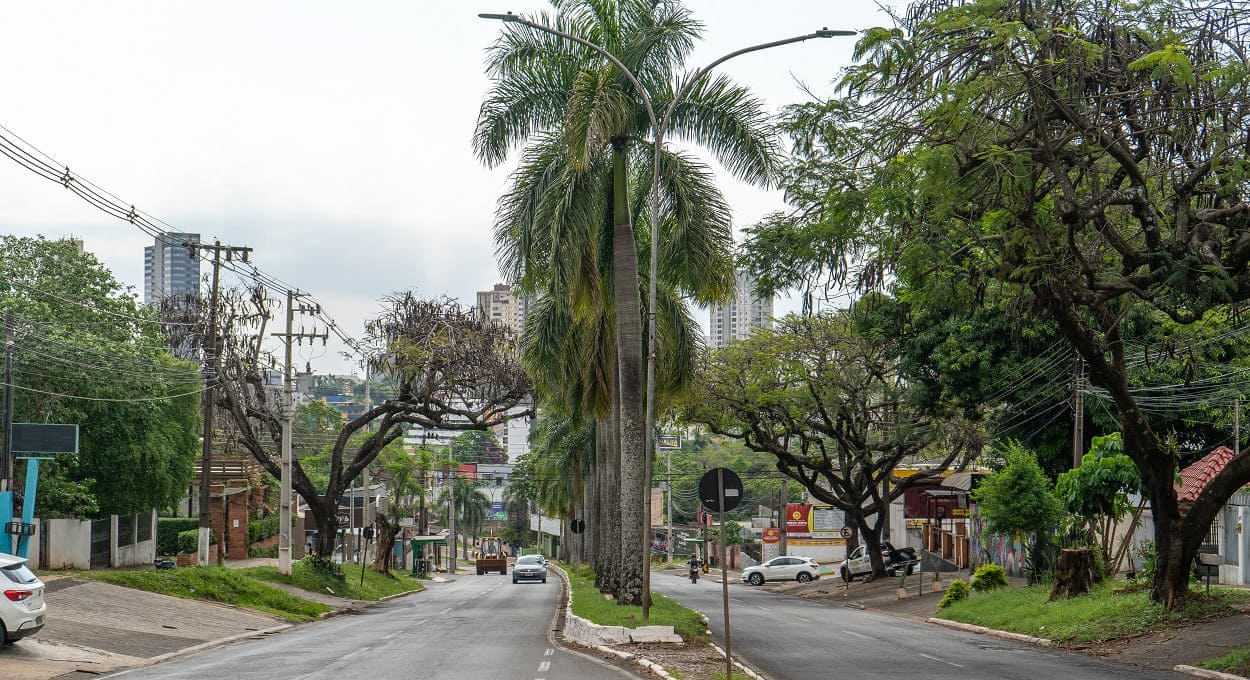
(549,652)
(345,657)
(388,637)
(763,607)
(802,619)
(937,659)
(447,610)
(860,635)
(544,666)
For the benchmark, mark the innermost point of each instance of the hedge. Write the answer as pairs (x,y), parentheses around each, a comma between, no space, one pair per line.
(260,529)
(167,530)
(189,541)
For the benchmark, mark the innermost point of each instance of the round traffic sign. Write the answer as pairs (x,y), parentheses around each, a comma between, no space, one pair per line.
(577,526)
(846,532)
(709,489)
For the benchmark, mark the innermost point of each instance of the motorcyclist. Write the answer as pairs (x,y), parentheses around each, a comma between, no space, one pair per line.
(694,565)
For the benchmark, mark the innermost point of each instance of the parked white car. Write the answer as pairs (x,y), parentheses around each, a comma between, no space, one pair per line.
(21,599)
(785,568)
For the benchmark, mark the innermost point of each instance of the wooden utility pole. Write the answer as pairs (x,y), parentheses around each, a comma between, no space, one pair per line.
(211,370)
(6,417)
(1078,412)
(288,415)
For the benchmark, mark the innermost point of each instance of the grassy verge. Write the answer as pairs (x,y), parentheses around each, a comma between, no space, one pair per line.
(376,586)
(1236,662)
(213,584)
(1101,615)
(590,604)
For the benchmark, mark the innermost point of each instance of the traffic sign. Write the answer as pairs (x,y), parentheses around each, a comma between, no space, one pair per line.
(669,441)
(577,526)
(709,490)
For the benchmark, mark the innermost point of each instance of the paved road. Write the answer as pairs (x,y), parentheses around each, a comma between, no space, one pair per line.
(788,638)
(473,627)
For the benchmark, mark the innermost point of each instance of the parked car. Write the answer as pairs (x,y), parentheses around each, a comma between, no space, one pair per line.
(22,606)
(530,567)
(785,568)
(860,564)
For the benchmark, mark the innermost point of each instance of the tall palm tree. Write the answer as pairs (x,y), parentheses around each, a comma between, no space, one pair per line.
(568,214)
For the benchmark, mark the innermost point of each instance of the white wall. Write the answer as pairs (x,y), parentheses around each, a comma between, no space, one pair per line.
(69,544)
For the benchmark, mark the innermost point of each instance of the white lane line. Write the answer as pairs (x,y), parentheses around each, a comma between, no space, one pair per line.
(544,666)
(389,637)
(447,610)
(860,635)
(345,657)
(802,619)
(763,607)
(549,652)
(939,660)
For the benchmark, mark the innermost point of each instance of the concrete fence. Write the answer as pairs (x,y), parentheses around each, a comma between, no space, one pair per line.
(114,541)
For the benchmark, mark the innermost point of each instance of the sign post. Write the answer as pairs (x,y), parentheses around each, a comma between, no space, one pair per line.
(721,490)
(33,438)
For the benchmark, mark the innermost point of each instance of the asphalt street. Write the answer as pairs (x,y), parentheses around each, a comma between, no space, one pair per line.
(472,627)
(791,638)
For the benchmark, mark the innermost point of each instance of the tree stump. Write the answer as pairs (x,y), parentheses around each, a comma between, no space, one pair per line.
(1074,573)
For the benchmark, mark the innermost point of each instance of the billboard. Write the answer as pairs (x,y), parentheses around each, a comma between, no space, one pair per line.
(498,512)
(797,515)
(813,521)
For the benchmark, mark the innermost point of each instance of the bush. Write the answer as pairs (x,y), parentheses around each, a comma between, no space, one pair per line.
(956,591)
(271,551)
(167,530)
(260,529)
(189,541)
(989,577)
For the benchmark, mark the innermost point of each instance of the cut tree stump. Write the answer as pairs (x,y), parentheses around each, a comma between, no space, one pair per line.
(1074,573)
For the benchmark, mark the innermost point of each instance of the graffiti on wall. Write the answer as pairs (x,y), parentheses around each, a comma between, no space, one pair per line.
(1008,552)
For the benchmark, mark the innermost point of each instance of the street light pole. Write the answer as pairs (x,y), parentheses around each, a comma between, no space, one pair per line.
(658,127)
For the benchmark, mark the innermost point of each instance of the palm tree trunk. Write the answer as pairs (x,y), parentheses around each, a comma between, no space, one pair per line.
(634,546)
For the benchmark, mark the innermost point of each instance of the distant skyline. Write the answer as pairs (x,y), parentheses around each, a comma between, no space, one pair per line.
(333,138)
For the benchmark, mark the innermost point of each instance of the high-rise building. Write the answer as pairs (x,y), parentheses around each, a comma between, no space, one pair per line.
(169,268)
(501,305)
(735,319)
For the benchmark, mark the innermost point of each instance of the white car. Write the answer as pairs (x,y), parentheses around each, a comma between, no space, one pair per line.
(21,599)
(530,567)
(785,568)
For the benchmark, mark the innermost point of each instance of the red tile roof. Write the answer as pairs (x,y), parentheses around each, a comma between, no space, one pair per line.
(1196,477)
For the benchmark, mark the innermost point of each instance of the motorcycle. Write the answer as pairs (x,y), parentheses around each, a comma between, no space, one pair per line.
(694,573)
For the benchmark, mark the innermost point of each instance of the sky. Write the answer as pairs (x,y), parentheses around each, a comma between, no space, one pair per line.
(334,138)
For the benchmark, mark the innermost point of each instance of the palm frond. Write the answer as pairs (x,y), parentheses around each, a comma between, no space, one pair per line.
(733,125)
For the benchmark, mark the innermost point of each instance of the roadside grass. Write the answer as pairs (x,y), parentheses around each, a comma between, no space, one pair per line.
(213,584)
(1236,662)
(376,586)
(1099,616)
(590,604)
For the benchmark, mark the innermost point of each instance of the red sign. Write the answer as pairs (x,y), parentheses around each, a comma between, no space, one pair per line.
(796,519)
(771,535)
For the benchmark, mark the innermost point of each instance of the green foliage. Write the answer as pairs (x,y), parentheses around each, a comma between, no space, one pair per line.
(989,577)
(271,551)
(1100,486)
(1149,556)
(167,531)
(84,335)
(1017,500)
(590,604)
(260,529)
(345,581)
(477,446)
(956,591)
(214,584)
(189,541)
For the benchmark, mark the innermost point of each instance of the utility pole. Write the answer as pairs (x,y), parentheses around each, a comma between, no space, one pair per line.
(288,417)
(1237,426)
(211,369)
(781,514)
(1078,412)
(451,520)
(669,484)
(6,420)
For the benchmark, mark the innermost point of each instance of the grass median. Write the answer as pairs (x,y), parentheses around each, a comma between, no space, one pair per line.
(375,587)
(590,604)
(213,584)
(1101,615)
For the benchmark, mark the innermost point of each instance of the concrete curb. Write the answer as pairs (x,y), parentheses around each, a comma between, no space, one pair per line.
(968,627)
(1204,673)
(647,664)
(388,598)
(215,643)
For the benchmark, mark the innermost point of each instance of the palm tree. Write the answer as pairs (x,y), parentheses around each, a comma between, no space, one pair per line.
(568,213)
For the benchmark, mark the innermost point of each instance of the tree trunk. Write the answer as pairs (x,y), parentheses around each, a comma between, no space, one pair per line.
(385,543)
(611,503)
(1074,573)
(872,543)
(327,522)
(590,510)
(634,546)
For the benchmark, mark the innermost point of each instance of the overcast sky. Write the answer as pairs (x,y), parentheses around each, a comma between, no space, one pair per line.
(332,137)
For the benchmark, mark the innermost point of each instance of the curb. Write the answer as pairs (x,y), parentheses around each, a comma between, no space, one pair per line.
(970,628)
(1204,673)
(388,598)
(215,643)
(647,664)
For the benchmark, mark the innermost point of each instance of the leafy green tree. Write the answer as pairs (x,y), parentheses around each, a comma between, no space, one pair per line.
(1086,158)
(471,505)
(1017,499)
(1096,494)
(477,446)
(86,352)
(566,226)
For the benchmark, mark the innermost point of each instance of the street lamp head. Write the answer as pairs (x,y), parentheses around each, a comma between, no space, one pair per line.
(826,33)
(501,17)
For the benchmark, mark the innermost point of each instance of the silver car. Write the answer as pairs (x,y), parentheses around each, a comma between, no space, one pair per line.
(530,567)
(784,568)
(21,599)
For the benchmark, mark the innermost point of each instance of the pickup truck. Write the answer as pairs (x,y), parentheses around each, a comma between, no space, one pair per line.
(859,563)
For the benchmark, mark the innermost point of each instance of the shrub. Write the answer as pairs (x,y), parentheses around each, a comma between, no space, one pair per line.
(260,529)
(989,577)
(189,541)
(271,551)
(167,530)
(956,591)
